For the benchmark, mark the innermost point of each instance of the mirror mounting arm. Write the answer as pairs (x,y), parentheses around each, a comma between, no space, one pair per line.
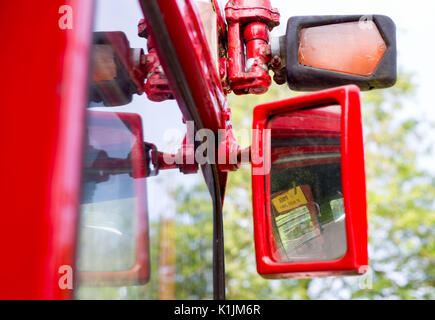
(249,23)
(230,155)
(228,150)
(183,160)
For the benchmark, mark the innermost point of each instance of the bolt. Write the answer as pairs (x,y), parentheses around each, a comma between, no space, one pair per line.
(279,77)
(276,62)
(258,90)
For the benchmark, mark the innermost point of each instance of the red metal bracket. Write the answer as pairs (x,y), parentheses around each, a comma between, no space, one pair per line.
(184,159)
(230,155)
(249,23)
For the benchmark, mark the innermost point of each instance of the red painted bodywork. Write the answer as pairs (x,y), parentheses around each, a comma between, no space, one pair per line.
(44,93)
(353,174)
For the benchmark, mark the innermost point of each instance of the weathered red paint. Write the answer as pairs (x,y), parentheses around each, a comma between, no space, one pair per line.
(157,85)
(249,23)
(185,30)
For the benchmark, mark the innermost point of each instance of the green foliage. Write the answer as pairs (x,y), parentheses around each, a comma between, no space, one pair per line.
(401,211)
(400,197)
(193,236)
(193,252)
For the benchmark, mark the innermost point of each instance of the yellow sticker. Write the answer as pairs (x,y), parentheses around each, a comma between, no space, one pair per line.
(289,200)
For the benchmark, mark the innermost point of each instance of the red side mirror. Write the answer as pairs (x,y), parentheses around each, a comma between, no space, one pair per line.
(113,234)
(308,182)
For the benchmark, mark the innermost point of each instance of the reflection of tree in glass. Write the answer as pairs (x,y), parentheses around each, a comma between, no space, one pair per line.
(107,236)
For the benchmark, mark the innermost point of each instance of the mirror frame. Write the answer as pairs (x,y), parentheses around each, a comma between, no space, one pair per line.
(304,78)
(355,260)
(139,273)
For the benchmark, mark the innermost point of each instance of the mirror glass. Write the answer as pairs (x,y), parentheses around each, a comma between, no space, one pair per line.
(109,199)
(306,201)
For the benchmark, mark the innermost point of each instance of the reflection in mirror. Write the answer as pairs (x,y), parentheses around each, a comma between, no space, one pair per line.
(306,200)
(107,226)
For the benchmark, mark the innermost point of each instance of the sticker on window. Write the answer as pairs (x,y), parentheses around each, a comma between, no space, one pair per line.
(289,200)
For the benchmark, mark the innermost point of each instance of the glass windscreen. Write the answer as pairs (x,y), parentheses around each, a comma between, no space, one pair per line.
(306,201)
(108,196)
(142,235)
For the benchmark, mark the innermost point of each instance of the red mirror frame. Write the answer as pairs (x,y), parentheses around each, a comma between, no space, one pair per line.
(139,273)
(355,260)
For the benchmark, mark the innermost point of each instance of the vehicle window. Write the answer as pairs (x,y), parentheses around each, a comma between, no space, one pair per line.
(139,237)
(108,199)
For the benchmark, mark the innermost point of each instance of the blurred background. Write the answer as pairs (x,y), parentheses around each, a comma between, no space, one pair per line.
(399,133)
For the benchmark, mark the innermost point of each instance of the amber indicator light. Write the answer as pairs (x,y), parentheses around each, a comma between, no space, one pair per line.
(352,48)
